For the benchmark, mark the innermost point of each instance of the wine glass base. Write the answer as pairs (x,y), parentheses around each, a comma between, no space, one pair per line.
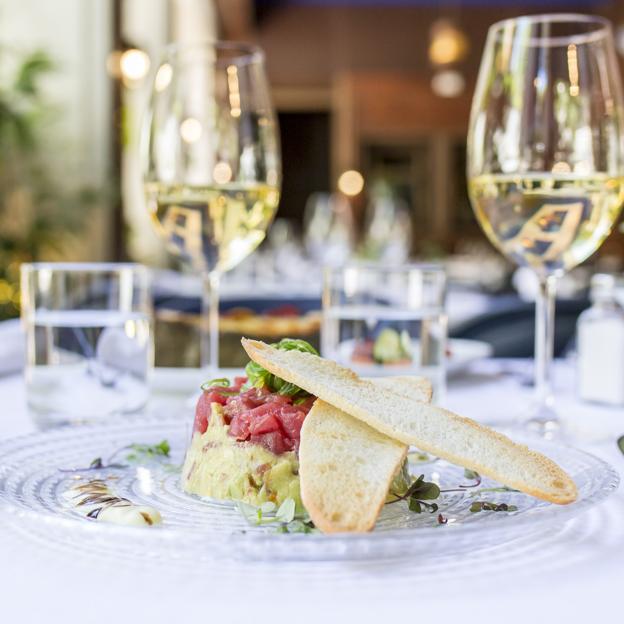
(542,421)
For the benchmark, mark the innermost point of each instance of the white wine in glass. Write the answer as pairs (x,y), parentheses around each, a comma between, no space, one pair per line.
(213,227)
(549,222)
(546,157)
(211,159)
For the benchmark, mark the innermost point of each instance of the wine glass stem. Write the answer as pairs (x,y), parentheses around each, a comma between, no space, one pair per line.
(544,343)
(210,329)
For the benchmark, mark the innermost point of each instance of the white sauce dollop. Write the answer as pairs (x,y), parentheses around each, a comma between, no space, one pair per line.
(95,500)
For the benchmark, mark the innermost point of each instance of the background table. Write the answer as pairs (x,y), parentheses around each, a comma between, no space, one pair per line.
(570,573)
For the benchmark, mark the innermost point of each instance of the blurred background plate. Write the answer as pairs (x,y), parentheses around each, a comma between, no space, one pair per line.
(462,352)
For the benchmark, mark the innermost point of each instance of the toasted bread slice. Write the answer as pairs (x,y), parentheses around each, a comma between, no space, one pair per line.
(408,386)
(346,467)
(432,429)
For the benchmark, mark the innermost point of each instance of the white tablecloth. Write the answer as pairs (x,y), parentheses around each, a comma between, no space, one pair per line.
(572,573)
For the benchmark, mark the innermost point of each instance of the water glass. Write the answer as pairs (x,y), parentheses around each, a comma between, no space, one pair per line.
(387,320)
(89,340)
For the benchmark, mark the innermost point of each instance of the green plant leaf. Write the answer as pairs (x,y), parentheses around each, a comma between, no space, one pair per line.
(268,507)
(285,517)
(259,377)
(256,375)
(34,66)
(298,526)
(249,512)
(286,511)
(295,344)
(222,382)
(163,448)
(418,457)
(427,491)
(146,452)
(288,389)
(620,444)
(478,506)
(414,505)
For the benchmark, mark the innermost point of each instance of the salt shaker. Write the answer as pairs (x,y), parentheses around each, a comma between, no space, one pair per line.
(600,343)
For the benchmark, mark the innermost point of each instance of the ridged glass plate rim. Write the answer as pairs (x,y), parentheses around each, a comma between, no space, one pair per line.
(491,523)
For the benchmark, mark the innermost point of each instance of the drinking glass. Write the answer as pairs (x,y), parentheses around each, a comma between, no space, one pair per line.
(89,343)
(328,228)
(388,227)
(546,157)
(211,162)
(382,320)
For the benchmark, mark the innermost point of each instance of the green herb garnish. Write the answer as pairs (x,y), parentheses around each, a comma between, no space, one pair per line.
(297,526)
(96,464)
(138,452)
(284,518)
(620,444)
(259,377)
(286,511)
(478,506)
(221,382)
(418,457)
(471,475)
(417,494)
(421,491)
(148,451)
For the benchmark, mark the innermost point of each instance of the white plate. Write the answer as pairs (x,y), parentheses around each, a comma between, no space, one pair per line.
(32,487)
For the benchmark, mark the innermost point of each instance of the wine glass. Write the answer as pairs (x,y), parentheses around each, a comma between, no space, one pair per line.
(546,157)
(211,162)
(388,226)
(328,228)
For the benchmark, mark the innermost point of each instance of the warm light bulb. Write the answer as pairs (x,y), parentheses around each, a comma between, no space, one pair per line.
(190,130)
(351,182)
(561,167)
(134,65)
(222,173)
(448,83)
(448,43)
(163,77)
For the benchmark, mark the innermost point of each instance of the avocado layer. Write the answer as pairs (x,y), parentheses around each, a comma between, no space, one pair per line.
(218,466)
